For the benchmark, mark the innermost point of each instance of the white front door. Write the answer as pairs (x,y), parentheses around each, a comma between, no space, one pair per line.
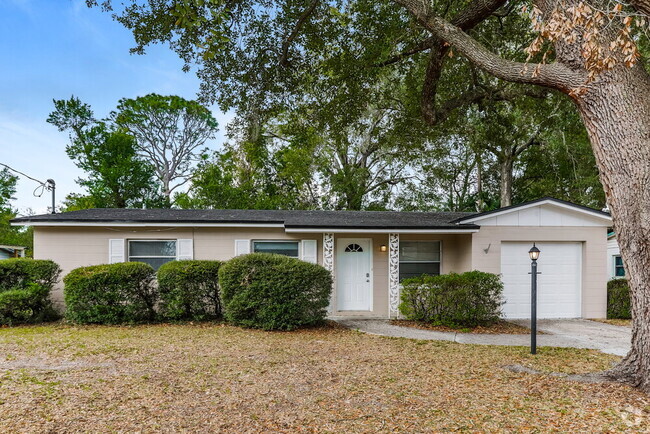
(354,273)
(558,285)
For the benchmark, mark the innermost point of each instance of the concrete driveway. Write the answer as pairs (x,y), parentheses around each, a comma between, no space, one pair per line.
(567,333)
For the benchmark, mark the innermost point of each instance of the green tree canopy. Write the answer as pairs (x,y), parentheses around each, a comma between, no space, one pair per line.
(117,176)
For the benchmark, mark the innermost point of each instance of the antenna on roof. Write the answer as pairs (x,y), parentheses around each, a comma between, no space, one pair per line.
(48,185)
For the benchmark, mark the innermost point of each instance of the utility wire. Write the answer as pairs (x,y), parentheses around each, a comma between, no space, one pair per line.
(42,187)
(21,173)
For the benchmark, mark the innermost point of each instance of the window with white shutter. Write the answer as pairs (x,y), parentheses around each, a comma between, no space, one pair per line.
(116,250)
(310,251)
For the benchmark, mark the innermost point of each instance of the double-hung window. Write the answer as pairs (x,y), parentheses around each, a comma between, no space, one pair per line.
(418,257)
(619,270)
(152,252)
(286,248)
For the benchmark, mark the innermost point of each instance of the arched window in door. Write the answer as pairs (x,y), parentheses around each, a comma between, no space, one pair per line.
(353,248)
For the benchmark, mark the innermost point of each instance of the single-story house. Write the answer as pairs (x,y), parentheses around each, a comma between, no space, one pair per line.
(368,252)
(615,268)
(7,252)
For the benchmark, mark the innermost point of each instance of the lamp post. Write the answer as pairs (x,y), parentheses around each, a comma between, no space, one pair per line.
(534,255)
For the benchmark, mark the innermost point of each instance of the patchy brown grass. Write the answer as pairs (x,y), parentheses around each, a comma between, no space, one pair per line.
(205,378)
(500,327)
(616,322)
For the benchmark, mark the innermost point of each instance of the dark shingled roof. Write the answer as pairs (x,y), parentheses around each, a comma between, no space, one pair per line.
(290,219)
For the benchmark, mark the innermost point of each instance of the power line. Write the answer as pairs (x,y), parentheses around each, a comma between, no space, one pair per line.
(48,185)
(21,173)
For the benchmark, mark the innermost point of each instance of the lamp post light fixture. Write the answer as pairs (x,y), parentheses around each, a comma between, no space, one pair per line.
(534,255)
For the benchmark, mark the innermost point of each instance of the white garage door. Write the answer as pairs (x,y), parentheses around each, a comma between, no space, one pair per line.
(558,285)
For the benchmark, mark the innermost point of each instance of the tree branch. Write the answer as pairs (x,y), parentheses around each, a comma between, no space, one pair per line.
(284,56)
(642,6)
(554,75)
(419,47)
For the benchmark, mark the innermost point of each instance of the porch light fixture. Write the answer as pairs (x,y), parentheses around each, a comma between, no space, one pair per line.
(534,255)
(382,248)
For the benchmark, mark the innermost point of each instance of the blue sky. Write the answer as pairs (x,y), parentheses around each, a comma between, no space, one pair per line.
(52,49)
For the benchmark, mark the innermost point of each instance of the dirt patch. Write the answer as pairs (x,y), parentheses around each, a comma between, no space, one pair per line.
(616,322)
(501,327)
(217,378)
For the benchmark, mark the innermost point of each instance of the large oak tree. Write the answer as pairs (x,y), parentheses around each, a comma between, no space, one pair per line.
(265,54)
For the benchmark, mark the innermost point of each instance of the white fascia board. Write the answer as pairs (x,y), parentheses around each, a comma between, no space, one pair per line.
(532,205)
(379,231)
(155,225)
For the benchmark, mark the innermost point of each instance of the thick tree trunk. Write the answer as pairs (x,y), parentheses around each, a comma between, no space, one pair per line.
(615,108)
(505,192)
(616,112)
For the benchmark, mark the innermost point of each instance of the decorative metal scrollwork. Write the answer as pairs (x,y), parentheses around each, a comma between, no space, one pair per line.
(393,275)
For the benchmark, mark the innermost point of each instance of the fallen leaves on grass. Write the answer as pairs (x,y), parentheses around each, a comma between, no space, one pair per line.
(500,327)
(207,378)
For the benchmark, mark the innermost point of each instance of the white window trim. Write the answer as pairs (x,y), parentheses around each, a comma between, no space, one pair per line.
(616,276)
(252,246)
(420,262)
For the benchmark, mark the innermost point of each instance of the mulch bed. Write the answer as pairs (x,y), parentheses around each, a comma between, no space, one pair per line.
(616,322)
(500,327)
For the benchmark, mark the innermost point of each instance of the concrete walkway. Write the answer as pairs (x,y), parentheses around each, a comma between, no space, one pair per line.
(573,333)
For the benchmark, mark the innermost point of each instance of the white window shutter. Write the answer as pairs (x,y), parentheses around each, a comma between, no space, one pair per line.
(116,250)
(242,247)
(310,251)
(184,249)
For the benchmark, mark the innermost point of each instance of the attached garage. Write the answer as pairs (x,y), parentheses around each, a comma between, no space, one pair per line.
(573,266)
(559,281)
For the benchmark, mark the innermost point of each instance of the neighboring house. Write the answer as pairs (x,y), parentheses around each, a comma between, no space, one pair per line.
(7,252)
(368,252)
(615,268)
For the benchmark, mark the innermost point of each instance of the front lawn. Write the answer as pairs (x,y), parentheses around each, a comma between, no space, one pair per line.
(220,378)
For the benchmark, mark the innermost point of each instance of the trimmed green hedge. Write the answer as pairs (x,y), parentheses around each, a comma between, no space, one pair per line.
(189,290)
(618,299)
(468,299)
(274,292)
(25,286)
(20,273)
(111,294)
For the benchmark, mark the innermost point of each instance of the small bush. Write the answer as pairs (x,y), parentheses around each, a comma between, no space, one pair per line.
(189,290)
(20,273)
(468,299)
(274,292)
(25,286)
(618,299)
(111,294)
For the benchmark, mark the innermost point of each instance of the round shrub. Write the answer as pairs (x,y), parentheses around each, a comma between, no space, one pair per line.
(274,292)
(189,290)
(110,294)
(468,299)
(618,299)
(25,286)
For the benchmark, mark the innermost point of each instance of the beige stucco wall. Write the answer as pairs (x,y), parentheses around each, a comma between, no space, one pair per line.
(594,263)
(73,247)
